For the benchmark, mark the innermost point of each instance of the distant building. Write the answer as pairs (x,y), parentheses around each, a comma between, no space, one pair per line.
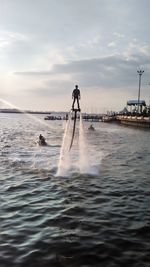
(133,104)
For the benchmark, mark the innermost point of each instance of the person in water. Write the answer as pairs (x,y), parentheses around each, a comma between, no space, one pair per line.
(91,127)
(41,139)
(76,96)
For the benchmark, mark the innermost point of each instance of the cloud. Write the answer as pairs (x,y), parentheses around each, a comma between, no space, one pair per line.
(32,73)
(110,72)
(8,39)
(112,44)
(107,72)
(119,35)
(93,42)
(11,36)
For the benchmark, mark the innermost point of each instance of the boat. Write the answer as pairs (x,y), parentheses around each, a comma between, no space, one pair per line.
(52,118)
(108,118)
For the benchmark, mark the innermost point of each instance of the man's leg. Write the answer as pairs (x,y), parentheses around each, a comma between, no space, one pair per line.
(78,103)
(73,103)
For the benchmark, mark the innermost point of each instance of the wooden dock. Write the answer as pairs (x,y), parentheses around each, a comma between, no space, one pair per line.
(136,121)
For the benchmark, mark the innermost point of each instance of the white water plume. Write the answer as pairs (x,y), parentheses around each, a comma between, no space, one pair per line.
(64,159)
(83,150)
(78,159)
(86,162)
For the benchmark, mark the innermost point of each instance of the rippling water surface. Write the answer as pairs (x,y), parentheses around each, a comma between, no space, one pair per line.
(89,219)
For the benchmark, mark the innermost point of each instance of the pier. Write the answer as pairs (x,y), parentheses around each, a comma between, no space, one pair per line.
(138,116)
(136,121)
(93,117)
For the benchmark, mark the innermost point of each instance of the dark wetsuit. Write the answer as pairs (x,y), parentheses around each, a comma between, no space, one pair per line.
(76,96)
(42,140)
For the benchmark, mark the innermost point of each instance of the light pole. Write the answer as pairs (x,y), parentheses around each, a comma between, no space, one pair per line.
(149,97)
(140,72)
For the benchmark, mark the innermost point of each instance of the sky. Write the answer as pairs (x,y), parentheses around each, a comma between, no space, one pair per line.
(49,46)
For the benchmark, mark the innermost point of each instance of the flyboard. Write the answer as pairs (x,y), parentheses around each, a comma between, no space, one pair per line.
(75,110)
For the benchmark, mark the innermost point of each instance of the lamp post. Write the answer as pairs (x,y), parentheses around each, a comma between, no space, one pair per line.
(149,97)
(140,72)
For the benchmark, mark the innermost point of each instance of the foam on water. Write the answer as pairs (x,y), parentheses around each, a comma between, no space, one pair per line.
(64,159)
(78,159)
(84,163)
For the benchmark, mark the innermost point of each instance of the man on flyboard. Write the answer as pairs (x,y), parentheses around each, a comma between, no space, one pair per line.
(76,97)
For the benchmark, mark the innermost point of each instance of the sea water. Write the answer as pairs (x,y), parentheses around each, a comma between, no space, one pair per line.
(84,218)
